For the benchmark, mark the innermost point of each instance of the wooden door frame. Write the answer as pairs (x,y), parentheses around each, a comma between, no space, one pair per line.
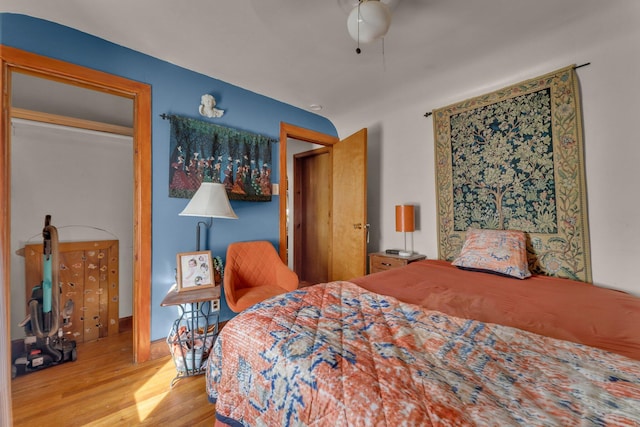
(294,132)
(12,59)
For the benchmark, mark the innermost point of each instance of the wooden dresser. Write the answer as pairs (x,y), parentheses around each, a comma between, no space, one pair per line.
(89,279)
(381,261)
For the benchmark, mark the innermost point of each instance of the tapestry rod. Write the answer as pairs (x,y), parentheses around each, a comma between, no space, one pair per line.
(428,113)
(165,116)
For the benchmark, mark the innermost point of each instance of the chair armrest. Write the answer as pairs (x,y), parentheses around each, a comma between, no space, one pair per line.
(287,279)
(229,289)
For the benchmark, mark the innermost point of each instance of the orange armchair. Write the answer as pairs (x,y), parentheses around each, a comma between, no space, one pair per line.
(253,273)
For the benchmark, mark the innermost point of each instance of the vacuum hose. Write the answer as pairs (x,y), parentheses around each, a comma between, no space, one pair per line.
(50,292)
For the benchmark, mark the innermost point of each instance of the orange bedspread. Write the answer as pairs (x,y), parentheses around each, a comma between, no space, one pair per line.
(335,354)
(558,308)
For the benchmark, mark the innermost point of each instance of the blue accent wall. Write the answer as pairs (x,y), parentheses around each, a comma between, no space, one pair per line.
(175,90)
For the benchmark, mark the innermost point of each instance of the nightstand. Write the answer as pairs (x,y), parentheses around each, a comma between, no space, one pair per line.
(195,329)
(381,261)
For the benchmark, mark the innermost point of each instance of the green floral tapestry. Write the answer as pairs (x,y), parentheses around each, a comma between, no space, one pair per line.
(205,152)
(514,159)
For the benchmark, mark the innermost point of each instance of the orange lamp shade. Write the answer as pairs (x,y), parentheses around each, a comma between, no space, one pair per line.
(405,218)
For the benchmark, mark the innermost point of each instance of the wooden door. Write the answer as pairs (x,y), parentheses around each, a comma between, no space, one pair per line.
(349,207)
(312,215)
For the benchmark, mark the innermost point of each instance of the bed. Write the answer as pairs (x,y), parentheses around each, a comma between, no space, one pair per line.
(431,344)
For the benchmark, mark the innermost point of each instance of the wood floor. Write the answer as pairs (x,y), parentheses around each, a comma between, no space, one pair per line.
(104,388)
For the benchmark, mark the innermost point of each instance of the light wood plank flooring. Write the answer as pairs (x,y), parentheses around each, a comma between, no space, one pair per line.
(104,388)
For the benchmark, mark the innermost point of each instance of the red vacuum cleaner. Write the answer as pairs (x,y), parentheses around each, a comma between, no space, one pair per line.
(45,345)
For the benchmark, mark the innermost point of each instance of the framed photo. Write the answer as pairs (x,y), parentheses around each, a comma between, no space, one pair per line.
(195,270)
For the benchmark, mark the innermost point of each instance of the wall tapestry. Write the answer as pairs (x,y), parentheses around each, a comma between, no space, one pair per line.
(514,159)
(202,151)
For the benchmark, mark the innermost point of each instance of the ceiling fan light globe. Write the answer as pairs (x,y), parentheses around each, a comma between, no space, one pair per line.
(375,19)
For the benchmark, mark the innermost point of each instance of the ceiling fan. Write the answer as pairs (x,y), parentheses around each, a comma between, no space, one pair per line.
(368,20)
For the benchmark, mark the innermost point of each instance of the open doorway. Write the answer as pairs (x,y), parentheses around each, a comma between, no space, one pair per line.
(84,180)
(295,140)
(15,60)
(347,189)
(83,177)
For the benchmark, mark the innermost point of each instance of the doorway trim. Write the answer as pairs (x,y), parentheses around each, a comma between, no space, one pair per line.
(295,132)
(12,59)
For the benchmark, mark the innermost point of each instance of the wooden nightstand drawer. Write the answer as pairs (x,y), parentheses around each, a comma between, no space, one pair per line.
(381,261)
(385,262)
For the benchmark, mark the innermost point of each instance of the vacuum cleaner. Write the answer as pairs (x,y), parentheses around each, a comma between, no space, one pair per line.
(45,344)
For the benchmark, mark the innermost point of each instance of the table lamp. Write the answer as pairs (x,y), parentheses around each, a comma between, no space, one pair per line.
(405,222)
(210,201)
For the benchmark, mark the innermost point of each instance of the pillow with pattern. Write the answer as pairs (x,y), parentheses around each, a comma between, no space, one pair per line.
(495,251)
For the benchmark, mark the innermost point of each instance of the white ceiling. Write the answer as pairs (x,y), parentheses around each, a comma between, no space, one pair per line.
(299,51)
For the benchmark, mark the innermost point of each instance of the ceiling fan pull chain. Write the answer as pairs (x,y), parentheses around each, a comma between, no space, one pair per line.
(358,51)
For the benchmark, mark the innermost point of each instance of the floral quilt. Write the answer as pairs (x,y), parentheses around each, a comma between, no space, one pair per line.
(335,354)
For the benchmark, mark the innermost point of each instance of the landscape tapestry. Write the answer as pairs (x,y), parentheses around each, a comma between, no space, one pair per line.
(514,159)
(202,151)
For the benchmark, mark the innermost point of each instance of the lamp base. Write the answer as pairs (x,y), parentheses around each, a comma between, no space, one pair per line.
(404,253)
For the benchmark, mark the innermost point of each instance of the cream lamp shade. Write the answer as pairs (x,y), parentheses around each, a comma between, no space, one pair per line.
(210,201)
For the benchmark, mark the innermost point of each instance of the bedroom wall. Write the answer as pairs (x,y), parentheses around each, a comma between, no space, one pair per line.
(610,93)
(175,90)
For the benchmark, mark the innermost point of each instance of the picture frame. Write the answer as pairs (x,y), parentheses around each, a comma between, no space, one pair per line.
(195,271)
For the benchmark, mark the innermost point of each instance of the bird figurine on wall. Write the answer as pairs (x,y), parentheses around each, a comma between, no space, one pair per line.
(207,107)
